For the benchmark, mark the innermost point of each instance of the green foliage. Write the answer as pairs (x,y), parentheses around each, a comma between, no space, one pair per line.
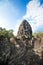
(6,33)
(38,34)
(10,33)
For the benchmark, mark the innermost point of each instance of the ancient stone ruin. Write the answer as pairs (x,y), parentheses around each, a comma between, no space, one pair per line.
(25,30)
(20,50)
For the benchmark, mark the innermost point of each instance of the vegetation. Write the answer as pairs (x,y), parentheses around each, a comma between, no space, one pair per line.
(6,33)
(9,33)
(38,34)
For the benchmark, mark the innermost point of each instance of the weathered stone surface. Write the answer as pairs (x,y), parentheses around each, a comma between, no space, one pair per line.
(38,45)
(12,55)
(4,50)
(25,30)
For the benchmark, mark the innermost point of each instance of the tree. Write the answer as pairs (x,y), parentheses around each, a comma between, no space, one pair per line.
(6,33)
(10,34)
(38,34)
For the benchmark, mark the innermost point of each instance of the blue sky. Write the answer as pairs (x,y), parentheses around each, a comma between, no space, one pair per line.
(12,12)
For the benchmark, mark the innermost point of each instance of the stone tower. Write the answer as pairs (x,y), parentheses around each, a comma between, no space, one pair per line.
(25,30)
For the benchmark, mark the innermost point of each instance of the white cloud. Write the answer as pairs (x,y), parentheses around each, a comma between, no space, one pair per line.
(8,15)
(34,14)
